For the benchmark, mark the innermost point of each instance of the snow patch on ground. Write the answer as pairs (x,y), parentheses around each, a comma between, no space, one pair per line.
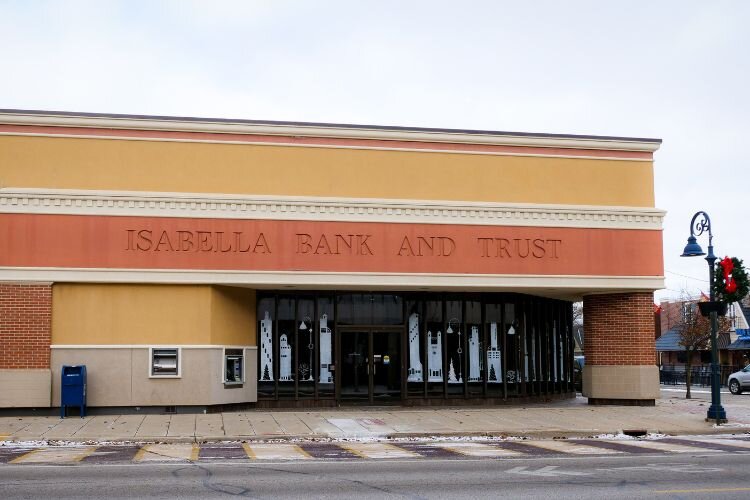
(395,439)
(43,443)
(614,437)
(654,436)
(733,425)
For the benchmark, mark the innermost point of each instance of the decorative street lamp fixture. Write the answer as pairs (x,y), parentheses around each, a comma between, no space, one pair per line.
(697,227)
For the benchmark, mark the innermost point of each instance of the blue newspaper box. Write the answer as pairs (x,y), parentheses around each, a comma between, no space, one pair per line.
(73,389)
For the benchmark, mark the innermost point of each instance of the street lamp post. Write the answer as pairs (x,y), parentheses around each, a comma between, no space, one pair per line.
(698,225)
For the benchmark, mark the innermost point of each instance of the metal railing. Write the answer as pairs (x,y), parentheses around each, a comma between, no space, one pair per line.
(699,375)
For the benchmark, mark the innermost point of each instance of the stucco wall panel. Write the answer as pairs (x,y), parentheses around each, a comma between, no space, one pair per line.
(102,314)
(25,388)
(120,377)
(233,318)
(109,374)
(69,163)
(621,382)
(268,245)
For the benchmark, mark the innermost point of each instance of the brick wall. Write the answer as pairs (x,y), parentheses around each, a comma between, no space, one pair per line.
(25,325)
(619,329)
(671,314)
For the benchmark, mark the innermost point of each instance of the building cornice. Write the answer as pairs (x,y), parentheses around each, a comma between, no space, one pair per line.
(571,287)
(220,206)
(323,130)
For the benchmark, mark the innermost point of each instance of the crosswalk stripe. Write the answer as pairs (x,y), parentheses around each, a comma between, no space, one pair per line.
(275,452)
(653,444)
(739,443)
(379,450)
(170,452)
(476,449)
(568,447)
(54,455)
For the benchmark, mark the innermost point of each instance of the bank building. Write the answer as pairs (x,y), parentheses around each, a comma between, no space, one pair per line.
(220,263)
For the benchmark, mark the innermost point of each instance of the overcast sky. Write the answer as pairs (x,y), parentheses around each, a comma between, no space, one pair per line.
(674,70)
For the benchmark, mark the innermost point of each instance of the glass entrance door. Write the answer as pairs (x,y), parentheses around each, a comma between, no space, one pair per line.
(371,366)
(386,367)
(354,363)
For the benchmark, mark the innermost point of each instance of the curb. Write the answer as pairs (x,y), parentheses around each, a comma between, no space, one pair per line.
(540,434)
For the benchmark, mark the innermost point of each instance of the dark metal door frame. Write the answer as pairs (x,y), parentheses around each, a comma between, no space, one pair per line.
(371,331)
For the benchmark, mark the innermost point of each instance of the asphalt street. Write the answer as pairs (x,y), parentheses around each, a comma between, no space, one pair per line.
(668,476)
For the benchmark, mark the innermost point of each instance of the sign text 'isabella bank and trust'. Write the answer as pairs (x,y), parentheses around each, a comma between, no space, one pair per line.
(284,245)
(146,240)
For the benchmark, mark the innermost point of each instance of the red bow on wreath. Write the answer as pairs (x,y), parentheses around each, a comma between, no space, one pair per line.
(727,266)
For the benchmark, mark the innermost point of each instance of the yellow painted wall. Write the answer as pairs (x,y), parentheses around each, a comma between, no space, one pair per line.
(233,319)
(69,163)
(130,314)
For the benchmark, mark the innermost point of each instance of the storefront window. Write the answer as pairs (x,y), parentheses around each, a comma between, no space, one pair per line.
(495,349)
(370,309)
(512,348)
(387,309)
(415,348)
(305,342)
(435,345)
(474,348)
(266,351)
(326,341)
(454,336)
(287,328)
(435,339)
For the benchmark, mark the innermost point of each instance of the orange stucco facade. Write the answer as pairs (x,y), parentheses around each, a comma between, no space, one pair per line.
(267,245)
(155,232)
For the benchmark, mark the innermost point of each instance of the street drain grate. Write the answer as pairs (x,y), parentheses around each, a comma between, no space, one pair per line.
(635,432)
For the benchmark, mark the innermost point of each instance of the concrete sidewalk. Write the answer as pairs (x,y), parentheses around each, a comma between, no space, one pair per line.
(574,418)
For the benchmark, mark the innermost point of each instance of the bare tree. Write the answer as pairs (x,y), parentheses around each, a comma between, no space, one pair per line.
(695,333)
(577,313)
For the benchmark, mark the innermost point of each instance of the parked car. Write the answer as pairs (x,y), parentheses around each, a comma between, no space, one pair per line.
(578,362)
(739,381)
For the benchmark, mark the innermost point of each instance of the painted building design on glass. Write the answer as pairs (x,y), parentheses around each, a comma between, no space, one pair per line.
(266,348)
(452,379)
(435,357)
(493,358)
(285,359)
(474,355)
(415,364)
(513,376)
(325,376)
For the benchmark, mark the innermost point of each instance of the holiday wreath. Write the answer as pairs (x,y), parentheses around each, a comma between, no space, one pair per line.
(730,280)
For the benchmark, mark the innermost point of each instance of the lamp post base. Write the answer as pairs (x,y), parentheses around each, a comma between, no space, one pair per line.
(717,414)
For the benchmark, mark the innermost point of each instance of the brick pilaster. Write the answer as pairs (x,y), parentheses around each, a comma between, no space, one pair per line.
(619,329)
(25,325)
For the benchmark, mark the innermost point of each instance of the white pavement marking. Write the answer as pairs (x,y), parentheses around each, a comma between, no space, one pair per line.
(476,449)
(378,450)
(693,391)
(673,467)
(548,471)
(55,455)
(275,451)
(167,452)
(668,447)
(739,443)
(572,448)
